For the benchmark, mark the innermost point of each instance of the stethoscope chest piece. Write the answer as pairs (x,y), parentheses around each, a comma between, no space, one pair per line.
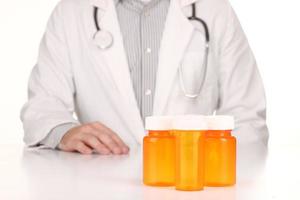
(103,39)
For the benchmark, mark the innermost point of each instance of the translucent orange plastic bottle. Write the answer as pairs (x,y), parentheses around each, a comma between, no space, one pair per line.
(159,152)
(189,132)
(220,152)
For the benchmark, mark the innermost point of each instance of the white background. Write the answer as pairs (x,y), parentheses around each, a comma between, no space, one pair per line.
(272,27)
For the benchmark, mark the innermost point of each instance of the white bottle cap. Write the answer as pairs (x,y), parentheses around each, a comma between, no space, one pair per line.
(220,122)
(189,122)
(158,123)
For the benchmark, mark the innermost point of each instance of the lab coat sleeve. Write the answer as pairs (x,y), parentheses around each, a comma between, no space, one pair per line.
(51,89)
(54,137)
(241,91)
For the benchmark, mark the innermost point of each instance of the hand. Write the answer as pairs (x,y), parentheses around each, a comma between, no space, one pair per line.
(93,136)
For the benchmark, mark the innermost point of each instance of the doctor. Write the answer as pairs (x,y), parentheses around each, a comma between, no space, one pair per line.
(111,63)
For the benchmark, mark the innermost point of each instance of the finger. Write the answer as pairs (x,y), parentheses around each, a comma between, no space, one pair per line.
(108,142)
(120,142)
(113,135)
(82,148)
(93,142)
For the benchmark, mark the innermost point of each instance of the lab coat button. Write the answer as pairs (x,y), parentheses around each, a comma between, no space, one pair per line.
(148,92)
(148,50)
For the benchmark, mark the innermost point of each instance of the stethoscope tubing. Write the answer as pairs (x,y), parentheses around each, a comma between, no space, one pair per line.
(95,15)
(204,64)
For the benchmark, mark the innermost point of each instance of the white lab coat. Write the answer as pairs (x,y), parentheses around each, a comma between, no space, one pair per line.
(73,75)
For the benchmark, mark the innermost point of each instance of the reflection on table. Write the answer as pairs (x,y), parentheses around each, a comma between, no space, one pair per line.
(60,175)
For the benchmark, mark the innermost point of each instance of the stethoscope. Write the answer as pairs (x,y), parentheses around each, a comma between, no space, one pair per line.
(104,40)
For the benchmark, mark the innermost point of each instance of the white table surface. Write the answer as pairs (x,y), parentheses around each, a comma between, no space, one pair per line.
(31,174)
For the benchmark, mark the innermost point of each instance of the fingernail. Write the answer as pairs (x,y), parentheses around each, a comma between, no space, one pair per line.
(125,150)
(117,150)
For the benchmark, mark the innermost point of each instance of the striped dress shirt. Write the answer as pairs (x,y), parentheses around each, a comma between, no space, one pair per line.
(142,25)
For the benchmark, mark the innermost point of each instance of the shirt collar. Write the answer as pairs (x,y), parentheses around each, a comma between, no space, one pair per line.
(138,5)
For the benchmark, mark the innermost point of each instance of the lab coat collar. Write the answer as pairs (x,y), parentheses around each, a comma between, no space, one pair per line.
(176,37)
(184,3)
(102,4)
(116,65)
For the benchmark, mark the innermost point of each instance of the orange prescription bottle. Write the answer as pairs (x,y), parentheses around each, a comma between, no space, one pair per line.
(220,152)
(189,134)
(158,152)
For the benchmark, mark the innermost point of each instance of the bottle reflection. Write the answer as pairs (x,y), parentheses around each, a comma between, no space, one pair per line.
(216,193)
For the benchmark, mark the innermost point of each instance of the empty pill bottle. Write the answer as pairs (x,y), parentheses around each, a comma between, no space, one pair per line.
(159,152)
(189,132)
(220,152)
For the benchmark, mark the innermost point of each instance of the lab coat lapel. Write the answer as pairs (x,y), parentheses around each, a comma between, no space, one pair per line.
(116,62)
(176,36)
